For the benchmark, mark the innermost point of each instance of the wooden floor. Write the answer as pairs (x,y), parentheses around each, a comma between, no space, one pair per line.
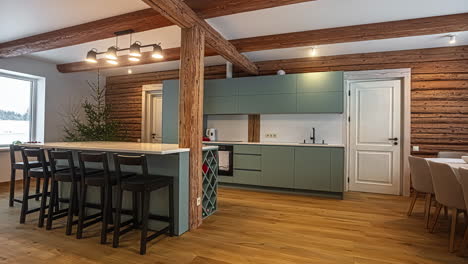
(252,227)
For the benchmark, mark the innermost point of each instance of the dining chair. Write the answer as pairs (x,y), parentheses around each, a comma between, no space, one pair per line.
(449,193)
(464,183)
(422,184)
(451,154)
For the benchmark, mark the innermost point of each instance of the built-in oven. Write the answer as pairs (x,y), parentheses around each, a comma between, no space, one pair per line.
(226,160)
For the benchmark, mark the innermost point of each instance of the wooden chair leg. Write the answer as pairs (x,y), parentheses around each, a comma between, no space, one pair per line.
(52,202)
(436,217)
(445,211)
(413,201)
(12,187)
(453,227)
(38,188)
(144,221)
(45,189)
(105,215)
(118,209)
(71,210)
(462,251)
(427,213)
(24,205)
(81,214)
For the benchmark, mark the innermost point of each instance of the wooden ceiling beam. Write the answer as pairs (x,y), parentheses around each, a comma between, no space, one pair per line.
(182,15)
(139,21)
(376,31)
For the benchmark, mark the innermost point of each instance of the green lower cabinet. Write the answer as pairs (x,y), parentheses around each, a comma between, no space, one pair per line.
(312,169)
(337,170)
(247,177)
(247,162)
(277,166)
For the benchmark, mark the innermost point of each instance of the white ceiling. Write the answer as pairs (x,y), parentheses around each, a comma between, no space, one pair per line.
(41,16)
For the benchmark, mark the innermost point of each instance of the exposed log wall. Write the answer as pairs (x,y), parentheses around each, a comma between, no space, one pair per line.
(439,107)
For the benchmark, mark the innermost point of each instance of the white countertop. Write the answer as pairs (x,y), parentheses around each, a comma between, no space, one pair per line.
(111,146)
(274,144)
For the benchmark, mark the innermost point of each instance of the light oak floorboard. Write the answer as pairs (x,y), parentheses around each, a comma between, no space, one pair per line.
(251,227)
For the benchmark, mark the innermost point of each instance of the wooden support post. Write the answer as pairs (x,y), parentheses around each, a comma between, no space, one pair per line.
(191,113)
(254,128)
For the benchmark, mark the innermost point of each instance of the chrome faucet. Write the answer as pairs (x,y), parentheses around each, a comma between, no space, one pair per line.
(312,135)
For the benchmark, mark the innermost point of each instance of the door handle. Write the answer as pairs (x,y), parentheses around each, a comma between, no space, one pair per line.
(393,139)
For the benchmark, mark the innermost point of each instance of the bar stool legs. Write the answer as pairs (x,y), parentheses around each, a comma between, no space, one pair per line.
(118,211)
(45,190)
(12,186)
(24,206)
(145,199)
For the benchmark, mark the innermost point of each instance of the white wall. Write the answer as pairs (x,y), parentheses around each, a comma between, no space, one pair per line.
(289,128)
(63,92)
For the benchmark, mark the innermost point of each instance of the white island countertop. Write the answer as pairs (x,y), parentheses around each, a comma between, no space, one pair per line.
(273,144)
(115,146)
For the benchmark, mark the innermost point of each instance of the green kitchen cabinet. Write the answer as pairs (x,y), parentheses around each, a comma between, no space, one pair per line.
(337,170)
(267,104)
(271,84)
(319,169)
(320,82)
(247,162)
(220,87)
(170,112)
(277,166)
(246,177)
(220,105)
(312,168)
(321,102)
(248,149)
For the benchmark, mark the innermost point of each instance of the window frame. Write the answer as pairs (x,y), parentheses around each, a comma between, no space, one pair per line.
(32,103)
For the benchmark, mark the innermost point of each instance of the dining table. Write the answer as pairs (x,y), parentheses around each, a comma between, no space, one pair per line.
(455,164)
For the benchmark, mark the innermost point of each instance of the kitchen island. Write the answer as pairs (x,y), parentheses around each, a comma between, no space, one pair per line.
(163,159)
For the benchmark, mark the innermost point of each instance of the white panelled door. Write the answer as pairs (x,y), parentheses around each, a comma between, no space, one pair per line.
(375,136)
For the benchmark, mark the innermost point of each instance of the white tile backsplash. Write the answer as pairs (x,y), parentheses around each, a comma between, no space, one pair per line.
(289,128)
(230,127)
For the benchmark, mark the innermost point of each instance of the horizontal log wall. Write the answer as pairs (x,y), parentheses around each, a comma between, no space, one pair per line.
(439,109)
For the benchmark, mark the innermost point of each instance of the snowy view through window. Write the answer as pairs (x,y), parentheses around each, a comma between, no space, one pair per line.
(15,96)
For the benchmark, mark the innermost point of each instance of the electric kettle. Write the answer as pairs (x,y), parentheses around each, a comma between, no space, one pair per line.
(211,134)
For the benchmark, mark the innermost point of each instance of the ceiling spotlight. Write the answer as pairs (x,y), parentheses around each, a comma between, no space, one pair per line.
(113,62)
(135,49)
(133,59)
(157,52)
(313,52)
(453,39)
(111,53)
(129,71)
(92,56)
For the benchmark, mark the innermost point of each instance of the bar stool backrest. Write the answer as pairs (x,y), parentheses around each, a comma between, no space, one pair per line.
(95,158)
(37,153)
(13,150)
(139,161)
(62,155)
(451,154)
(447,188)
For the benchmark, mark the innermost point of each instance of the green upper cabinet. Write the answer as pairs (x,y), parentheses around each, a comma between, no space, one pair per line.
(220,87)
(272,84)
(218,105)
(170,112)
(315,82)
(267,104)
(322,102)
(277,166)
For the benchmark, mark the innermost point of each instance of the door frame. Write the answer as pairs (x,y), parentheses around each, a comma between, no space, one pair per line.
(375,75)
(145,91)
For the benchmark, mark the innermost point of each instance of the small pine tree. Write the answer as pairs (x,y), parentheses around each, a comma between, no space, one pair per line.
(97,125)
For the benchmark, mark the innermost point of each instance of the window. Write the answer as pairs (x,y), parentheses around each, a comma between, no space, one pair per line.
(17,109)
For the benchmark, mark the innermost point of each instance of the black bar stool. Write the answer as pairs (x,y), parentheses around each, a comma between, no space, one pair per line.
(70,175)
(20,166)
(143,184)
(38,169)
(105,180)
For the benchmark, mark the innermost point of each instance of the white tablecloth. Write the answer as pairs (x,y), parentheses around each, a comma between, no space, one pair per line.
(455,164)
